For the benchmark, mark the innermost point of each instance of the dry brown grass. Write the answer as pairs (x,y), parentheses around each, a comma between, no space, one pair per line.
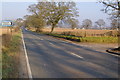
(4,31)
(81,32)
(10,53)
(0,31)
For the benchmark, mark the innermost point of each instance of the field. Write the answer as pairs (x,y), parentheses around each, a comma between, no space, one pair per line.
(4,31)
(80,35)
(81,32)
(0,31)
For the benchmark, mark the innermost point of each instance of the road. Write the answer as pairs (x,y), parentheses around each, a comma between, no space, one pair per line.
(53,58)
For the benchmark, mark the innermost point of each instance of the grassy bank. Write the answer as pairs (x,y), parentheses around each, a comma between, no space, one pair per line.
(10,55)
(102,39)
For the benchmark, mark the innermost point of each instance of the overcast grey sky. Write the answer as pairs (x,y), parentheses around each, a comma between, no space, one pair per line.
(87,10)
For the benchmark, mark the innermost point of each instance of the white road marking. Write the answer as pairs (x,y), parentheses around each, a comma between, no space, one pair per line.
(27,61)
(76,55)
(86,46)
(91,47)
(41,39)
(65,42)
(69,52)
(113,54)
(51,43)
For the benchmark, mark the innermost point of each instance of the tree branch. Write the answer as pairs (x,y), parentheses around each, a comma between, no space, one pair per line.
(110,5)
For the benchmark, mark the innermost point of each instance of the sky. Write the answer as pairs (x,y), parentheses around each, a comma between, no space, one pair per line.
(88,9)
(92,11)
(48,0)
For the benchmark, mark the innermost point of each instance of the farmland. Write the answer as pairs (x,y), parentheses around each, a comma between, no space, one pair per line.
(0,31)
(80,35)
(81,32)
(4,31)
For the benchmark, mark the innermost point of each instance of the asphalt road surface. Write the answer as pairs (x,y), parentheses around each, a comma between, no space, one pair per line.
(53,58)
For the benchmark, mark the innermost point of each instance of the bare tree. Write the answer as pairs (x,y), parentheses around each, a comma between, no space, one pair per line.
(113,6)
(100,23)
(87,23)
(114,24)
(73,23)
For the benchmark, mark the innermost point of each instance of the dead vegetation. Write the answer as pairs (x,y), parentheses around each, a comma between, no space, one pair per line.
(10,53)
(82,32)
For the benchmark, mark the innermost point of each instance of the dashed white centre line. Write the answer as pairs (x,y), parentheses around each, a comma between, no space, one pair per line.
(76,55)
(70,52)
(41,39)
(65,42)
(51,43)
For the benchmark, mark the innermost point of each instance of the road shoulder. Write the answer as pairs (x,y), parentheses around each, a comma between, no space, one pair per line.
(23,73)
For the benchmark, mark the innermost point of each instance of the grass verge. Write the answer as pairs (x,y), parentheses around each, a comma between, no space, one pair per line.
(10,55)
(104,39)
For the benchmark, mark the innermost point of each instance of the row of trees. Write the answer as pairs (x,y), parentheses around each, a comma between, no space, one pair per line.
(51,13)
(99,24)
(86,24)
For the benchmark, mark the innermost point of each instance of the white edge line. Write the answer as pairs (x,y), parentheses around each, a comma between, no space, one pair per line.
(27,61)
(113,54)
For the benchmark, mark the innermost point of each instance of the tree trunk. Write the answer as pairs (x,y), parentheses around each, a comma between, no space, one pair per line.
(118,25)
(118,38)
(53,26)
(100,28)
